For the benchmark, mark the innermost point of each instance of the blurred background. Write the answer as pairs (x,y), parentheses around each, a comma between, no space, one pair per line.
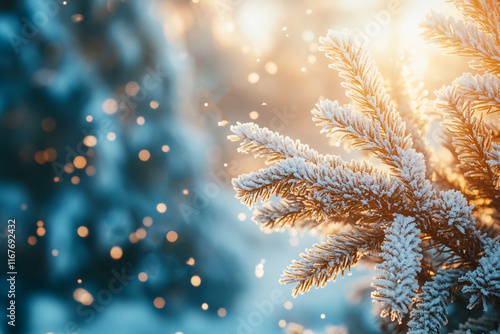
(115,164)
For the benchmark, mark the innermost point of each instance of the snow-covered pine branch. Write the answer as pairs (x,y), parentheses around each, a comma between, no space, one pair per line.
(456,37)
(397,282)
(363,83)
(483,283)
(471,139)
(326,260)
(435,228)
(482,90)
(429,313)
(484,13)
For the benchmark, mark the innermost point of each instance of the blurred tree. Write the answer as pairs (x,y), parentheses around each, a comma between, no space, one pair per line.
(92,144)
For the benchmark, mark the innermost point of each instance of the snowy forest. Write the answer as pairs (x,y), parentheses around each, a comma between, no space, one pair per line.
(250,166)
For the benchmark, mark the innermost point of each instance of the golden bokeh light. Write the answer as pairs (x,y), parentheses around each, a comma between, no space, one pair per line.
(133,238)
(147,221)
(221,312)
(253,78)
(116,252)
(40,231)
(132,88)
(69,168)
(83,296)
(39,158)
(90,141)
(50,154)
(204,306)
(111,136)
(83,231)
(143,277)
(32,240)
(159,302)
(253,115)
(271,67)
(196,280)
(161,207)
(165,148)
(110,106)
(190,262)
(55,252)
(77,18)
(140,120)
(172,236)
(79,162)
(144,155)
(75,180)
(154,104)
(140,233)
(90,170)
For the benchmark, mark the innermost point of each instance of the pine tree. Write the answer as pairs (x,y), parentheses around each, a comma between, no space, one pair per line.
(431,229)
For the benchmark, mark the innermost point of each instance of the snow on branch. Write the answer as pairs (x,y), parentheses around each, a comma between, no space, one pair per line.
(326,260)
(397,283)
(484,13)
(482,90)
(457,37)
(471,139)
(364,84)
(431,229)
(429,313)
(483,283)
(262,142)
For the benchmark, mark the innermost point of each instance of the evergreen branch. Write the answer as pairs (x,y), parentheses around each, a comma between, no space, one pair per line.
(299,208)
(326,260)
(451,209)
(397,283)
(484,13)
(482,90)
(361,129)
(479,326)
(282,214)
(429,313)
(339,188)
(364,84)
(456,37)
(262,142)
(409,96)
(471,139)
(407,163)
(484,281)
(452,229)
